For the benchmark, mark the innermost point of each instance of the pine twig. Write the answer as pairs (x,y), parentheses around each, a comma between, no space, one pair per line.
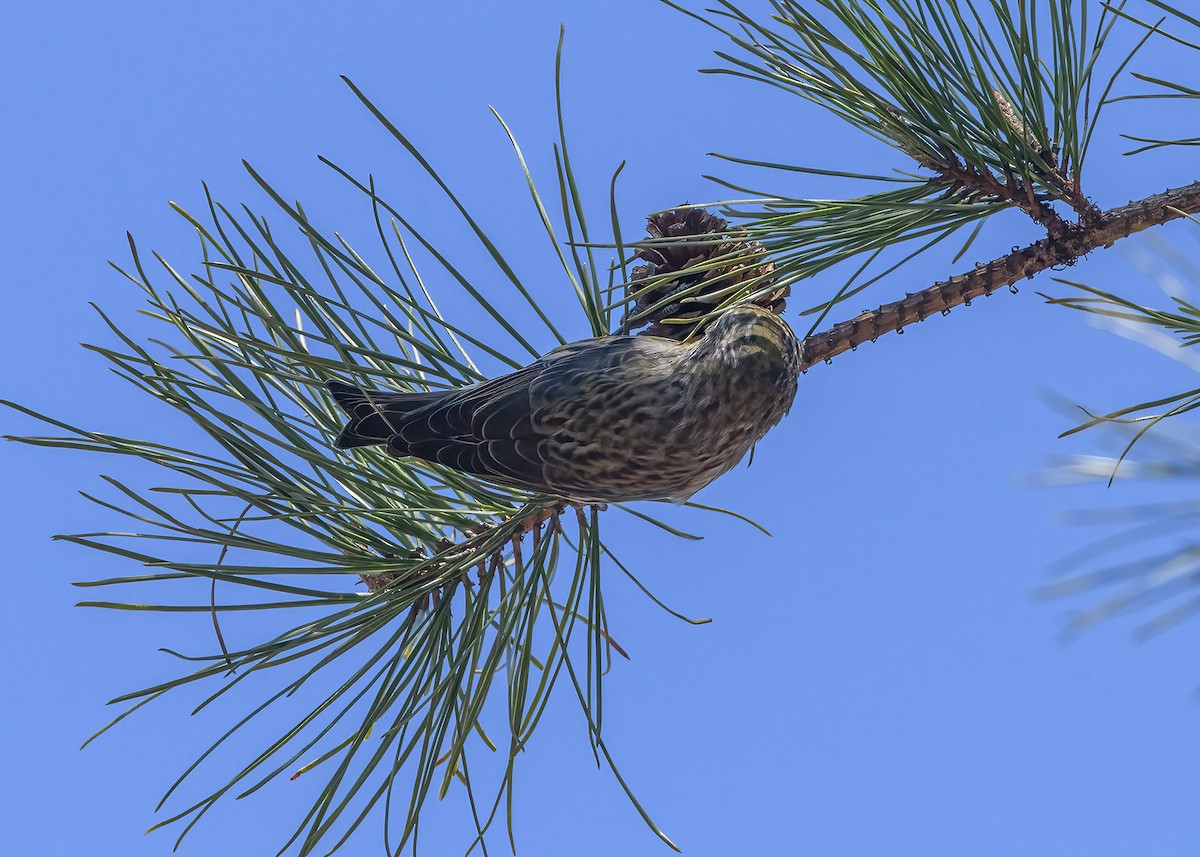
(1012,191)
(1105,229)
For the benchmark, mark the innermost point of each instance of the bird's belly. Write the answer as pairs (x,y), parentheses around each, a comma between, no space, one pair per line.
(667,442)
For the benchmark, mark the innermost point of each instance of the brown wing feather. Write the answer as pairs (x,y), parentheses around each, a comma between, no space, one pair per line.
(492,430)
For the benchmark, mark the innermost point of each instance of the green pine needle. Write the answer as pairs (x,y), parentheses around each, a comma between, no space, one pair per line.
(465,600)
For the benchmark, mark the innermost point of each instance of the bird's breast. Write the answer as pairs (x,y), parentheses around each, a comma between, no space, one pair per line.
(669,425)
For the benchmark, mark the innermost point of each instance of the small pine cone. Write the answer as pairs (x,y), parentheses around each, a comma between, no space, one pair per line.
(683,279)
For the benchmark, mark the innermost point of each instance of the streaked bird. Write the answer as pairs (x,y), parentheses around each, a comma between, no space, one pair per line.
(600,420)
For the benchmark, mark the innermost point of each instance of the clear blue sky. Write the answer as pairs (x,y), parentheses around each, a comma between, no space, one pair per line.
(877,678)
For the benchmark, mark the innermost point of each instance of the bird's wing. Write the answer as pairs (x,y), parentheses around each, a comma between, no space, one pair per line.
(492,429)
(483,430)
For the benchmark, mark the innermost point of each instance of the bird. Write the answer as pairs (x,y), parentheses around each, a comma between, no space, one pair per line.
(604,420)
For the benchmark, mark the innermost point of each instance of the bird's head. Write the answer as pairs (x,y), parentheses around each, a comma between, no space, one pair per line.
(750,336)
(745,323)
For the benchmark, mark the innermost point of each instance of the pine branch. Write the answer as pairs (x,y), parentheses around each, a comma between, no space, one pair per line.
(1079,240)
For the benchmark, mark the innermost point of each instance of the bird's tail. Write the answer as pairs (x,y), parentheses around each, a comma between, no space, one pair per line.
(374,416)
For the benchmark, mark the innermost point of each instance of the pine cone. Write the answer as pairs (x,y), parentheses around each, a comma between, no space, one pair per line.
(683,280)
